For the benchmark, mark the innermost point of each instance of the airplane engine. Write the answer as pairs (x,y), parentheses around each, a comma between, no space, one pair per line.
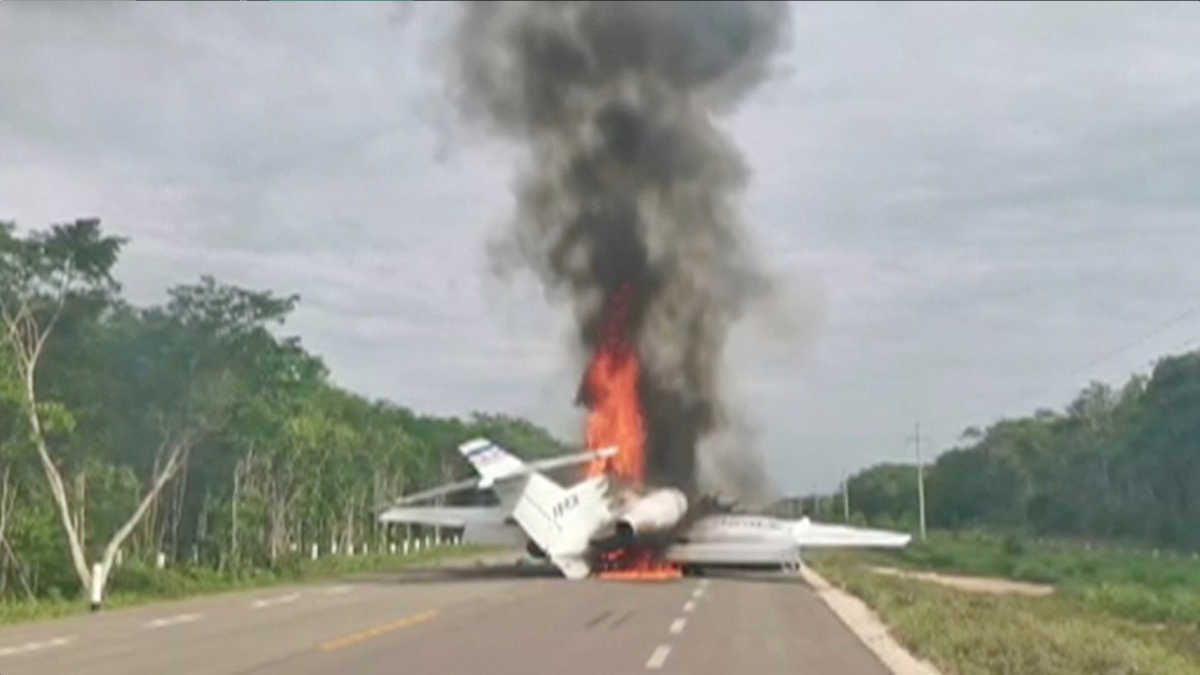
(657,511)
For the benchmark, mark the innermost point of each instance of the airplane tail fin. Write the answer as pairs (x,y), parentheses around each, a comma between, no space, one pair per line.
(559,520)
(490,460)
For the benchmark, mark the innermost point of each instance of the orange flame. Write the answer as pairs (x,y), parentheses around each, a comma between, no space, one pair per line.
(615,419)
(610,387)
(636,564)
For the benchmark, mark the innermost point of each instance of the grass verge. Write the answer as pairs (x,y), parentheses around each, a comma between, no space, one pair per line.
(138,584)
(1140,585)
(967,633)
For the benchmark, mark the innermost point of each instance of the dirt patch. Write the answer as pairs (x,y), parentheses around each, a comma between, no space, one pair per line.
(971,584)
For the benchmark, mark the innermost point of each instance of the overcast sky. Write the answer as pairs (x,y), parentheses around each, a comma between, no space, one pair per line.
(970,210)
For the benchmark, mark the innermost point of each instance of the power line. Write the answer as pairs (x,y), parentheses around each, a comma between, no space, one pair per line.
(1155,331)
(1106,355)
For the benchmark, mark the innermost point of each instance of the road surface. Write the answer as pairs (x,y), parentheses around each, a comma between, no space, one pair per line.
(495,621)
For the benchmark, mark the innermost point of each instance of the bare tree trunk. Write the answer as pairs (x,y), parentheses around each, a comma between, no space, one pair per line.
(202,519)
(161,511)
(272,495)
(57,489)
(233,528)
(177,512)
(148,533)
(19,567)
(8,499)
(177,450)
(81,507)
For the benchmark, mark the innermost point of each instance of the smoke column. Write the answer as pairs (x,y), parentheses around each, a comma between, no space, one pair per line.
(629,181)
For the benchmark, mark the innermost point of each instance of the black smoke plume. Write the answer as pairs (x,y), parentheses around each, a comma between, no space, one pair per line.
(630,181)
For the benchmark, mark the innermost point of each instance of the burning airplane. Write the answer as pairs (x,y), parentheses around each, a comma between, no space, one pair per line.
(606,527)
(627,207)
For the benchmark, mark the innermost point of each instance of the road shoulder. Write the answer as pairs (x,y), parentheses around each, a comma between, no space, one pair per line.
(867,626)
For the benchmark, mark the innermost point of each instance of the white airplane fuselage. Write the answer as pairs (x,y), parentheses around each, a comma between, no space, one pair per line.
(739,527)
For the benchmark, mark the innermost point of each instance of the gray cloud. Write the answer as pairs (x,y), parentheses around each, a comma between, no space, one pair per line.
(978,200)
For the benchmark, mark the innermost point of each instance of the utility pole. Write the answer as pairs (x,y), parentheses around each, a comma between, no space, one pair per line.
(846,499)
(920,481)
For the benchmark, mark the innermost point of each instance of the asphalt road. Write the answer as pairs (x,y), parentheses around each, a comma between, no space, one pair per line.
(495,621)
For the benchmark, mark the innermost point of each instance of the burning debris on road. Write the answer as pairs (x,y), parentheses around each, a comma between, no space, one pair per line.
(627,204)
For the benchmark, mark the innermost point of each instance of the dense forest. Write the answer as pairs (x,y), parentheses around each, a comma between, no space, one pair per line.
(1114,463)
(190,428)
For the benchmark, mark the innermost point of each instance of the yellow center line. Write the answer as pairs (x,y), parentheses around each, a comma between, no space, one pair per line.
(355,638)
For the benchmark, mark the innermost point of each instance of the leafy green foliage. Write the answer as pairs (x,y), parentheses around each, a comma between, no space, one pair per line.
(1114,464)
(274,456)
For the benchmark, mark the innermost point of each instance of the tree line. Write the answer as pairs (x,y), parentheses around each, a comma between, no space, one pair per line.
(190,428)
(1113,464)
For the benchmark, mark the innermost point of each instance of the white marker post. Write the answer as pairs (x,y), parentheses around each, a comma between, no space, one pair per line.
(392,548)
(366,549)
(96,584)
(161,561)
(405,547)
(314,551)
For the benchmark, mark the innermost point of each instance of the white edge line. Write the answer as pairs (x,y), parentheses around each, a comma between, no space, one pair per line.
(279,600)
(34,646)
(867,627)
(172,620)
(689,606)
(658,658)
(677,625)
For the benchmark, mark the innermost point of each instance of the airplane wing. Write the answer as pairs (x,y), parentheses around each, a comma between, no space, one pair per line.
(731,553)
(819,535)
(804,533)
(444,516)
(423,495)
(480,524)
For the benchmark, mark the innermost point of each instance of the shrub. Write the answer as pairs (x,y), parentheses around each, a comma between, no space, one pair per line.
(1014,545)
(1035,571)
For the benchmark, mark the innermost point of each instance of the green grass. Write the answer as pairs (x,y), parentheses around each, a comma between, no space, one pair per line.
(137,584)
(969,633)
(1016,557)
(1112,612)
(1126,584)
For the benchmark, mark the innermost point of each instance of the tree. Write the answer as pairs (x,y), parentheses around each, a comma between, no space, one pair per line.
(39,275)
(186,426)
